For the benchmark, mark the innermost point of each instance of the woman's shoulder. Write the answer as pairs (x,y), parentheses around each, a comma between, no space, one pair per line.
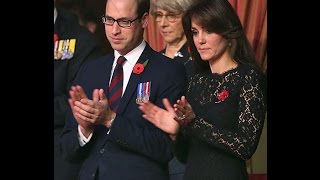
(248,69)
(253,75)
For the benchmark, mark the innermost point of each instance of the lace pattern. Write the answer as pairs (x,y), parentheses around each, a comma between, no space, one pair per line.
(235,124)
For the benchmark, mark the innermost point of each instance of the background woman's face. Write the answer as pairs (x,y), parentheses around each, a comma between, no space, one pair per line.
(170,26)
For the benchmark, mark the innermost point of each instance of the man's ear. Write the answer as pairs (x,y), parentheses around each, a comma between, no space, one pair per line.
(145,20)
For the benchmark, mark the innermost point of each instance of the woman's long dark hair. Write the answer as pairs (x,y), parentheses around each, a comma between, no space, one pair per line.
(218,16)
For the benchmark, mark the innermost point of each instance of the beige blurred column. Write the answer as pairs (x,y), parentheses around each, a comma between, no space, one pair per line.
(258,163)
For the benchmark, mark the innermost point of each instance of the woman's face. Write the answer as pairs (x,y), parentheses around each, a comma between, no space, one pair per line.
(170,26)
(210,46)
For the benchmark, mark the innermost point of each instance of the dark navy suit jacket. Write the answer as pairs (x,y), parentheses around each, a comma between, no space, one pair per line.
(134,149)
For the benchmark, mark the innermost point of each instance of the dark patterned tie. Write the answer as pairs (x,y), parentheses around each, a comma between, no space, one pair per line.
(115,88)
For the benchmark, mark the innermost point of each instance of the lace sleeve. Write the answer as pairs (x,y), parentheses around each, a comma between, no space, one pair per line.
(252,108)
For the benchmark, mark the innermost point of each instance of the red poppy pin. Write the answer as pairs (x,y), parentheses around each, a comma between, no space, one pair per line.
(222,96)
(55,38)
(139,68)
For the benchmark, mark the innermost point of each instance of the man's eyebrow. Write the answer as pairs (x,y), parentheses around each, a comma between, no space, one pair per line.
(122,18)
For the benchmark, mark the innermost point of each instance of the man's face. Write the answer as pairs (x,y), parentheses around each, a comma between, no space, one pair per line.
(124,39)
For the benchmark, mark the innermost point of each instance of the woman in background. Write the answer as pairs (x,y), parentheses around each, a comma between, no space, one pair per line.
(168,16)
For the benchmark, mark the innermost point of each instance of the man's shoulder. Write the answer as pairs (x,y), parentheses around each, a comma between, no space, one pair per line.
(66,19)
(69,26)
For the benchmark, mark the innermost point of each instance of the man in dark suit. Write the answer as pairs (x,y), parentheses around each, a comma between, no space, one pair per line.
(121,144)
(73,46)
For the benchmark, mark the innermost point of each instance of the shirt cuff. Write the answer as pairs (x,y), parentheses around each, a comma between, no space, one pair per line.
(111,121)
(82,139)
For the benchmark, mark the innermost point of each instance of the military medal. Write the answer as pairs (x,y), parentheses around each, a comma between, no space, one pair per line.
(59,52)
(65,49)
(143,92)
(71,48)
(56,45)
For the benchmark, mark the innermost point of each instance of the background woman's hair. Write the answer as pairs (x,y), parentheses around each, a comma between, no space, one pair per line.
(175,6)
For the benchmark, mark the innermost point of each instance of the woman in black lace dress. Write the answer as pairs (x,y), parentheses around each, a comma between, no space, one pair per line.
(216,127)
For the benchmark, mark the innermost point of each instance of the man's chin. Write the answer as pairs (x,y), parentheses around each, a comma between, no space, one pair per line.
(117,46)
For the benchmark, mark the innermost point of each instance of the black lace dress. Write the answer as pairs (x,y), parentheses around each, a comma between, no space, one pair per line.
(230,111)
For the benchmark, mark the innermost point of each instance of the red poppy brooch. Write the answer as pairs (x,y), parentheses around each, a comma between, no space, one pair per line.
(222,96)
(139,68)
(55,38)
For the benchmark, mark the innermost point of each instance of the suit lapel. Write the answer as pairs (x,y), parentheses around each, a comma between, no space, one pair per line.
(134,80)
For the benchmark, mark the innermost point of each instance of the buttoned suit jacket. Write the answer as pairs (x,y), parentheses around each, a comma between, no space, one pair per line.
(134,149)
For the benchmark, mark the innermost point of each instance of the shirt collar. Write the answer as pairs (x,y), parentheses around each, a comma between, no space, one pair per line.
(133,56)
